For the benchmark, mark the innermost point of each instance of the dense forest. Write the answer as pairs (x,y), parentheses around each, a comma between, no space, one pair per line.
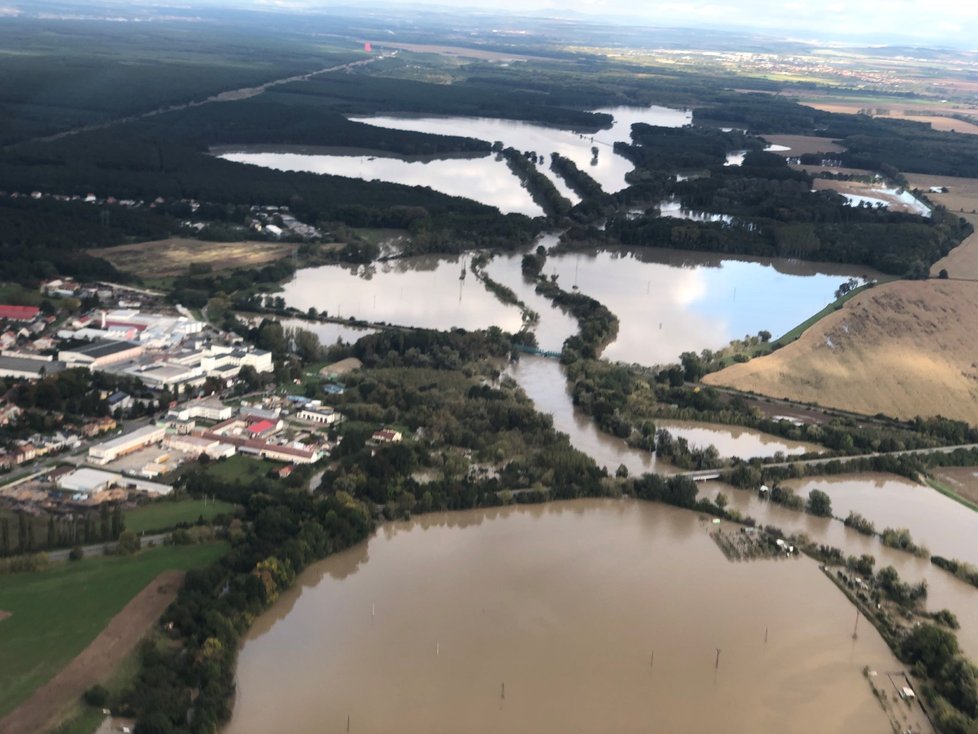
(774,212)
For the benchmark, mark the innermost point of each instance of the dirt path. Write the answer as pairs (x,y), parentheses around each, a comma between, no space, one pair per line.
(95,662)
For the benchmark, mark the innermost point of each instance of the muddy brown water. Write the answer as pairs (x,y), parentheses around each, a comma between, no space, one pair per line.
(944,591)
(589,616)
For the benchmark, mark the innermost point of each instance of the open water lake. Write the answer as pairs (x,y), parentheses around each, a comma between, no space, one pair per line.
(588,616)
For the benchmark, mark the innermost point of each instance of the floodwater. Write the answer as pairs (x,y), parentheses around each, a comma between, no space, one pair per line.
(733,441)
(885,197)
(608,168)
(944,591)
(590,616)
(423,291)
(947,528)
(673,208)
(486,179)
(329,332)
(669,302)
(543,380)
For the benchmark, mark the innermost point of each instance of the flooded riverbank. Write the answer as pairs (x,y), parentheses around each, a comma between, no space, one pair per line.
(943,589)
(553,619)
(670,301)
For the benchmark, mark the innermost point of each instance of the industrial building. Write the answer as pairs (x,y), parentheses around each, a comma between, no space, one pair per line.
(100,354)
(92,481)
(28,369)
(108,451)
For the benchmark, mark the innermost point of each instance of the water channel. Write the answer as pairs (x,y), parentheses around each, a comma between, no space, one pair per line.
(590,616)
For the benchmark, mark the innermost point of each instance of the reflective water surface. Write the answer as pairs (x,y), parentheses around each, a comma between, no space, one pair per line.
(591,616)
(421,291)
(669,301)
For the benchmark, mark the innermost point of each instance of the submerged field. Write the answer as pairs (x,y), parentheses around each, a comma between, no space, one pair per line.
(905,349)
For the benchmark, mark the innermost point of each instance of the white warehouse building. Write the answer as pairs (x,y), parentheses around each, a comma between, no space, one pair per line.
(108,451)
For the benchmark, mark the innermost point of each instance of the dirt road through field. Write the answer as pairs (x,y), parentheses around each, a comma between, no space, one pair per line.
(96,661)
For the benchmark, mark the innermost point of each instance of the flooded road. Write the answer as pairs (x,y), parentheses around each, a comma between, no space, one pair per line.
(590,616)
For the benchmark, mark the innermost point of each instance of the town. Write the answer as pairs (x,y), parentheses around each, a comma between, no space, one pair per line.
(158,403)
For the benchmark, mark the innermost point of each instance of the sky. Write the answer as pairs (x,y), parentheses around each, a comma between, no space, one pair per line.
(938,22)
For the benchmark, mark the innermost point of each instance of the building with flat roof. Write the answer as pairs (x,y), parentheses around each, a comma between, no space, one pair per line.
(108,451)
(92,481)
(28,369)
(100,353)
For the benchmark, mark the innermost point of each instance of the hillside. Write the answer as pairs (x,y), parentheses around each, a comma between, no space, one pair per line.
(906,348)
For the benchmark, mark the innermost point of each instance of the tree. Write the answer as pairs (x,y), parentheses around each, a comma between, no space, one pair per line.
(118,521)
(128,543)
(819,503)
(105,523)
(97,695)
(930,645)
(622,472)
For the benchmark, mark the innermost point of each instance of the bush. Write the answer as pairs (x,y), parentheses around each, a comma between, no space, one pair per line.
(76,554)
(96,696)
(128,543)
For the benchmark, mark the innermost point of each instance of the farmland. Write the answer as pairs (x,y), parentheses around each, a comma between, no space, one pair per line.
(176,255)
(55,613)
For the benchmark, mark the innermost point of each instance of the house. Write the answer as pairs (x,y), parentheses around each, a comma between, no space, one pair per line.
(9,414)
(100,425)
(387,435)
(23,453)
(286,471)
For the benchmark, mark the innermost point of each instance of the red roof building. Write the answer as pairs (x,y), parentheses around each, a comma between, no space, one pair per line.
(19,313)
(257,429)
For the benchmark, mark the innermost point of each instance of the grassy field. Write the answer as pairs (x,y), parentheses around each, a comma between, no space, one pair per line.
(240,468)
(905,348)
(54,614)
(165,515)
(175,255)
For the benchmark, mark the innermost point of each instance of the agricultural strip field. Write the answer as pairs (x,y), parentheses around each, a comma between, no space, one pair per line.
(166,515)
(175,255)
(904,348)
(54,614)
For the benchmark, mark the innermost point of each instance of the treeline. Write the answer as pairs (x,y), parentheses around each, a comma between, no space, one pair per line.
(878,144)
(188,684)
(288,118)
(24,534)
(79,72)
(594,201)
(776,214)
(683,148)
(541,188)
(476,96)
(43,238)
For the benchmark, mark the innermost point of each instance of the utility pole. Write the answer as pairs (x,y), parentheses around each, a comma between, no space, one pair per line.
(718,659)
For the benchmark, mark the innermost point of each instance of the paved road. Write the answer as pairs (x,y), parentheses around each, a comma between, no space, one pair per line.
(100,548)
(227,96)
